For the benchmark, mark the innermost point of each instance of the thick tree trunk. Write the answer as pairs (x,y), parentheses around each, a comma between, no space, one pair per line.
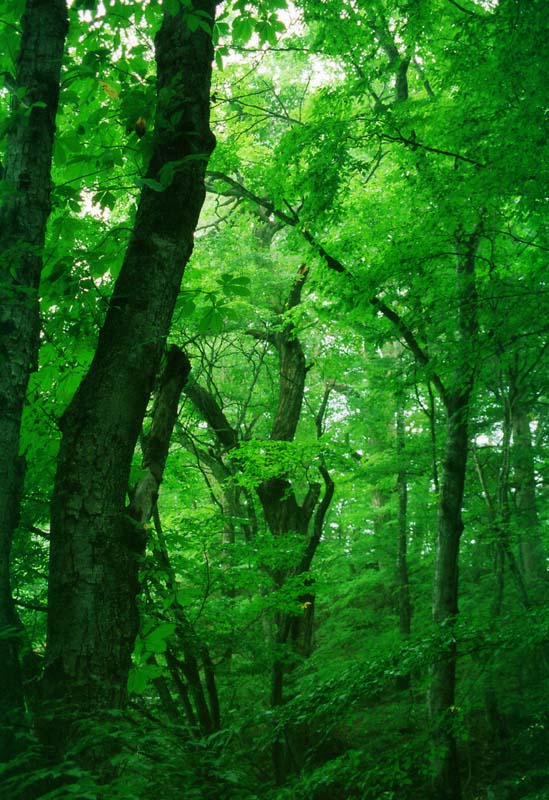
(95,543)
(23,217)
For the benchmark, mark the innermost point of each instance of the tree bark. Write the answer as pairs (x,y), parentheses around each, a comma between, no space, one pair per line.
(95,543)
(157,442)
(532,556)
(403,579)
(446,775)
(23,217)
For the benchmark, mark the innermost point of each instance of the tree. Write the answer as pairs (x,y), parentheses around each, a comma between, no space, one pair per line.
(94,543)
(94,551)
(256,476)
(24,213)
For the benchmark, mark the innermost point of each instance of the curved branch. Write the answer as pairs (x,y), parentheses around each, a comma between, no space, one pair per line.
(335,265)
(209,408)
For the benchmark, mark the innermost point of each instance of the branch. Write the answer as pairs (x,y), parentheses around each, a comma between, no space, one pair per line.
(319,418)
(318,524)
(414,145)
(261,336)
(31,605)
(336,266)
(465,10)
(206,404)
(519,239)
(292,220)
(157,443)
(419,354)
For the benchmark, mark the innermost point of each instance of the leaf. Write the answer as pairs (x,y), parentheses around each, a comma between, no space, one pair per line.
(140,677)
(243,29)
(157,640)
(211,322)
(186,307)
(232,285)
(110,90)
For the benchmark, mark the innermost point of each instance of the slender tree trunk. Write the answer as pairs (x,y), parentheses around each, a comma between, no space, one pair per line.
(446,777)
(23,217)
(185,672)
(143,506)
(95,543)
(403,580)
(498,530)
(283,513)
(446,774)
(532,556)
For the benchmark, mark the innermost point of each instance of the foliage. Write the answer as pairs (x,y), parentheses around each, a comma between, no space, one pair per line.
(366,141)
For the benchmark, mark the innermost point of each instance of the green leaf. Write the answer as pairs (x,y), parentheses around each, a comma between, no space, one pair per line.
(140,677)
(156,640)
(243,29)
(211,322)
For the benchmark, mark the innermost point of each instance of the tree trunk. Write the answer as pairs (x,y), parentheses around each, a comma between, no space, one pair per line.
(23,217)
(532,557)
(403,581)
(498,529)
(446,776)
(283,513)
(95,543)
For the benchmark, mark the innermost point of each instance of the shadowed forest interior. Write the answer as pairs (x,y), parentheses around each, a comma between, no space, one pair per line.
(274,400)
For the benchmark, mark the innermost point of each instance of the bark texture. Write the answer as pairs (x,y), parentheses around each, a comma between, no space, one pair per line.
(95,542)
(23,217)
(446,775)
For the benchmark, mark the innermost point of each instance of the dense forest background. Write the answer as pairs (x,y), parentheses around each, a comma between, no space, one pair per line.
(274,404)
